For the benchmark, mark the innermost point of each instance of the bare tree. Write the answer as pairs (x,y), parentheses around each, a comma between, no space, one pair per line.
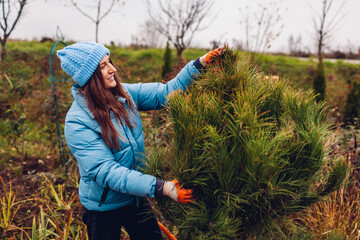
(295,45)
(99,15)
(150,38)
(261,25)
(350,49)
(326,22)
(324,28)
(9,20)
(179,20)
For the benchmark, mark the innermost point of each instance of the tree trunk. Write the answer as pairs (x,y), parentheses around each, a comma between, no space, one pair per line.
(319,83)
(3,51)
(23,144)
(97,21)
(320,44)
(97,32)
(180,58)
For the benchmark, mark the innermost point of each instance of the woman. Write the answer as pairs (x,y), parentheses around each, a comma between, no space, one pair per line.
(103,130)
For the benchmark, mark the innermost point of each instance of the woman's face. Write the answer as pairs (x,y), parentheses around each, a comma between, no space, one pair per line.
(107,71)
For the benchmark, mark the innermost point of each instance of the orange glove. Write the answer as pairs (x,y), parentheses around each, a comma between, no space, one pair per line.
(211,56)
(173,190)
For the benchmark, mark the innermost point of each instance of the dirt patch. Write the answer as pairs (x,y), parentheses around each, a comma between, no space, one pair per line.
(33,165)
(25,179)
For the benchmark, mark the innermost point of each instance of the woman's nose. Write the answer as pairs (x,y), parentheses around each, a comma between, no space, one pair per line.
(112,69)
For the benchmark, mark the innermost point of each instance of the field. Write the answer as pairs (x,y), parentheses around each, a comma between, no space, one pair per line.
(39,181)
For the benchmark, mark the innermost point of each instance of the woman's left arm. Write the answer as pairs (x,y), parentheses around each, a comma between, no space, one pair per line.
(151,96)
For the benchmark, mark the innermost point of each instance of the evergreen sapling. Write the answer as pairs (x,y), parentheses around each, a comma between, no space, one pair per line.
(167,61)
(251,146)
(319,83)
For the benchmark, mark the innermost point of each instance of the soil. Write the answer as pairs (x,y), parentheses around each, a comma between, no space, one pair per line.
(25,179)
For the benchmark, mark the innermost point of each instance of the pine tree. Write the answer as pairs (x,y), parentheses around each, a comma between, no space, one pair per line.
(167,61)
(352,107)
(319,83)
(251,146)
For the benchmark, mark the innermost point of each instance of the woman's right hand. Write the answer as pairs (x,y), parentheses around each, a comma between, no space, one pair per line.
(174,190)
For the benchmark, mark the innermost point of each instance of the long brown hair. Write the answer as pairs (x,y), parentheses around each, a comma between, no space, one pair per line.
(101,100)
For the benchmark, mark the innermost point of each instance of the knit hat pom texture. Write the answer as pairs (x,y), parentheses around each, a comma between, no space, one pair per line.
(80,60)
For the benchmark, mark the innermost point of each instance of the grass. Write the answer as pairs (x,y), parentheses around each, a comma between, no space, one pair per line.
(337,215)
(301,73)
(46,205)
(9,208)
(29,46)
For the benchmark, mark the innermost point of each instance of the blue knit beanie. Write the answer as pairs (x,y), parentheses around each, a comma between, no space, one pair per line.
(80,60)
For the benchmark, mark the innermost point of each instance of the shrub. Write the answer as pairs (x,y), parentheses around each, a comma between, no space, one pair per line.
(319,82)
(251,146)
(352,107)
(167,61)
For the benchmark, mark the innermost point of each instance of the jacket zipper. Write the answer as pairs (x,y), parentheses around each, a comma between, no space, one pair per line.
(103,196)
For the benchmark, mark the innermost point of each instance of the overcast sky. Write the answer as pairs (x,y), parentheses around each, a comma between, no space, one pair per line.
(41,18)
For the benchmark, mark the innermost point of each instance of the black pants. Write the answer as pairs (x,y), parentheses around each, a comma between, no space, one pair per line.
(139,223)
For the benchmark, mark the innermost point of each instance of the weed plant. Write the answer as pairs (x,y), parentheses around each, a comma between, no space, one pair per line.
(337,214)
(9,208)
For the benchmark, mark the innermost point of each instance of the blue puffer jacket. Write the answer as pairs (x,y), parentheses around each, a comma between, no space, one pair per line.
(108,176)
